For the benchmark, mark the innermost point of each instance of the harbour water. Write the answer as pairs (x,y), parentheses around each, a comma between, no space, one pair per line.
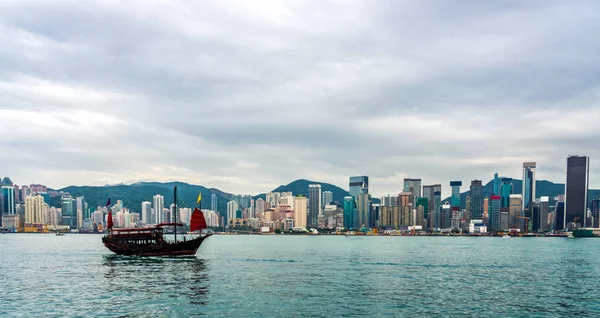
(44,275)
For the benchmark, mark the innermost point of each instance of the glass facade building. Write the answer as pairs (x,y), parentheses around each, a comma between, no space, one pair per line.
(576,189)
(349,212)
(494,213)
(476,209)
(455,200)
(506,189)
(528,190)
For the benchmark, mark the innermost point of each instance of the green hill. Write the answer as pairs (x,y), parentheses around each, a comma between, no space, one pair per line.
(300,187)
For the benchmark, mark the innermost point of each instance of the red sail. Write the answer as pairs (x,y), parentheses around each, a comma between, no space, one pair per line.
(197,223)
(109,221)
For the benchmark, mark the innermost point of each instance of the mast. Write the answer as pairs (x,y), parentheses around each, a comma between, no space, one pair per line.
(175,211)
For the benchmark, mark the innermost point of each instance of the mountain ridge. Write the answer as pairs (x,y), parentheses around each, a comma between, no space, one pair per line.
(134,194)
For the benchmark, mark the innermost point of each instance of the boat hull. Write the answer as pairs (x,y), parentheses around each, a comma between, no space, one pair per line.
(182,248)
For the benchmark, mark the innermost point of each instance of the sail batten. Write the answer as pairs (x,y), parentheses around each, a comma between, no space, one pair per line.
(197,222)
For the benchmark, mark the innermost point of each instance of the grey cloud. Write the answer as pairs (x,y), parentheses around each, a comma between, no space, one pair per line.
(245,96)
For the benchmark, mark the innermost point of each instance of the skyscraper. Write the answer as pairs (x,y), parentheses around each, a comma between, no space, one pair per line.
(315,206)
(363,205)
(8,192)
(576,189)
(300,209)
(494,214)
(422,211)
(506,189)
(429,193)
(476,212)
(158,205)
(515,211)
(34,207)
(349,212)
(358,185)
(543,223)
(213,203)
(232,207)
(327,198)
(496,184)
(413,186)
(146,212)
(455,200)
(260,207)
(437,207)
(596,212)
(528,191)
(69,211)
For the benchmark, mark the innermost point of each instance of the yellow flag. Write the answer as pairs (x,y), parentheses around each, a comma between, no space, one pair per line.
(199,198)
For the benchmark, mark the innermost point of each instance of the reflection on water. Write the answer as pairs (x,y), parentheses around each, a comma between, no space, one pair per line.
(179,278)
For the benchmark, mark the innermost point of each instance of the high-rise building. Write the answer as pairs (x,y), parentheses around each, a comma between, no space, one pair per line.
(158,204)
(437,207)
(528,190)
(406,205)
(349,212)
(8,192)
(494,214)
(69,211)
(358,185)
(496,184)
(315,207)
(540,213)
(476,212)
(327,198)
(413,186)
(576,190)
(559,216)
(363,205)
(446,216)
(388,201)
(515,212)
(506,189)
(300,211)
(422,211)
(455,199)
(428,192)
(232,208)
(213,203)
(34,210)
(260,207)
(596,212)
(146,212)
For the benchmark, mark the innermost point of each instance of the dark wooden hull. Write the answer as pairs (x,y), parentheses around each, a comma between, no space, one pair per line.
(187,248)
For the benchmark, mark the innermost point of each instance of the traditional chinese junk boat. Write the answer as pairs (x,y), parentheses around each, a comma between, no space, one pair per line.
(150,241)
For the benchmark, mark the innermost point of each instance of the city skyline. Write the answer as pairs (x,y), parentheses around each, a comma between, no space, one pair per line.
(238,92)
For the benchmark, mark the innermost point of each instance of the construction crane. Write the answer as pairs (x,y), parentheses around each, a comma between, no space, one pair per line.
(526,222)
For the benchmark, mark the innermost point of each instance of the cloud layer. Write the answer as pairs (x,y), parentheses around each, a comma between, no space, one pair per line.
(247,95)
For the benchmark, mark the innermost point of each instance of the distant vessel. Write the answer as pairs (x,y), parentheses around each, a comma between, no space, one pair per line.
(586,232)
(60,234)
(505,236)
(150,241)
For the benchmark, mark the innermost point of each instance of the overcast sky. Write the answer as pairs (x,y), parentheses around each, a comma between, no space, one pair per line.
(247,95)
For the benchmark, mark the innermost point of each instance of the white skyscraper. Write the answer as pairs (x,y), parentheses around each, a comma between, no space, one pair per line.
(146,212)
(232,207)
(300,209)
(34,209)
(159,206)
(315,207)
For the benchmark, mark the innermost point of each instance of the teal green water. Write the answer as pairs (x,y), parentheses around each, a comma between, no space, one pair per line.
(314,276)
